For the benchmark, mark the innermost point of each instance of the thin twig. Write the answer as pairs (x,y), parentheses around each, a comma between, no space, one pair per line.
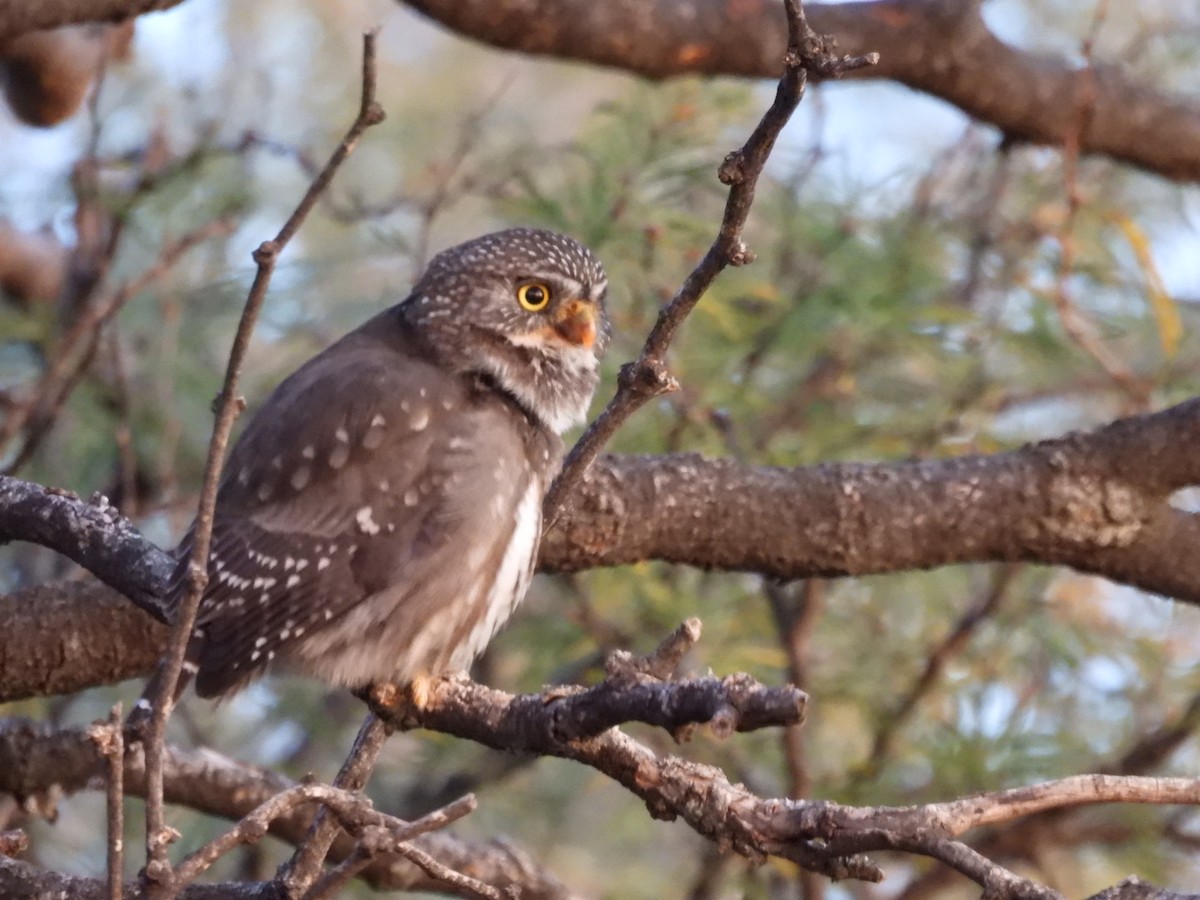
(350,809)
(302,869)
(647,376)
(109,738)
(377,841)
(434,869)
(79,344)
(228,407)
(935,664)
(333,882)
(1078,328)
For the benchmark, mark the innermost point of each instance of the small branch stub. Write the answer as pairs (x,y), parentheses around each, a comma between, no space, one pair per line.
(13,843)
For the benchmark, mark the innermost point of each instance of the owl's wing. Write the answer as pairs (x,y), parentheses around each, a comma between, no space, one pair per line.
(360,472)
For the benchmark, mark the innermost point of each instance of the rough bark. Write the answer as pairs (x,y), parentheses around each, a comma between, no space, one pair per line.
(1097,502)
(93,534)
(62,638)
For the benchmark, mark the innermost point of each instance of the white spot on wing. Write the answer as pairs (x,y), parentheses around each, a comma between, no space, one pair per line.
(339,455)
(366,522)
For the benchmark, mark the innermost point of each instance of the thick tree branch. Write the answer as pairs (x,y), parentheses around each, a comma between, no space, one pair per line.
(18,17)
(91,533)
(63,638)
(1096,501)
(941,47)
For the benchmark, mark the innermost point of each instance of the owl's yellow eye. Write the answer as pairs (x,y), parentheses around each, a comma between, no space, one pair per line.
(534,296)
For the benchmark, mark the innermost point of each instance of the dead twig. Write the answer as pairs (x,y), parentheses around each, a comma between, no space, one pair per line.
(354,812)
(158,869)
(302,869)
(109,738)
(827,838)
(648,377)
(79,345)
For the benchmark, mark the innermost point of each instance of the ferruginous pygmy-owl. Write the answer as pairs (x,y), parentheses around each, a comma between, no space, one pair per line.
(379,518)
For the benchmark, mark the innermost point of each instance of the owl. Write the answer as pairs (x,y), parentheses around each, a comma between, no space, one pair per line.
(379,518)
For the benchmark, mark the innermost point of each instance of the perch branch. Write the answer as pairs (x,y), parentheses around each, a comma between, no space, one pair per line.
(1098,502)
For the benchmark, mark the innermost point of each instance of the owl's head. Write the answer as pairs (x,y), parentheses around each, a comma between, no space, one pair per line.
(525,308)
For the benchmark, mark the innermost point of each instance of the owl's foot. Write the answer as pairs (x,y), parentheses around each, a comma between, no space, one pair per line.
(419,690)
(399,704)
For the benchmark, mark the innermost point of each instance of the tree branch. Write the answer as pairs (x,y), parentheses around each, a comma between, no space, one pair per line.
(92,533)
(825,837)
(228,406)
(647,377)
(562,714)
(22,18)
(1096,501)
(940,47)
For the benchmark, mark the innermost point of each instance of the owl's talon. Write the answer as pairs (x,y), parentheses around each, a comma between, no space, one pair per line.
(419,691)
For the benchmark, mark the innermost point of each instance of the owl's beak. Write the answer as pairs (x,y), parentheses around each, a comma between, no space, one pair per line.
(575,323)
